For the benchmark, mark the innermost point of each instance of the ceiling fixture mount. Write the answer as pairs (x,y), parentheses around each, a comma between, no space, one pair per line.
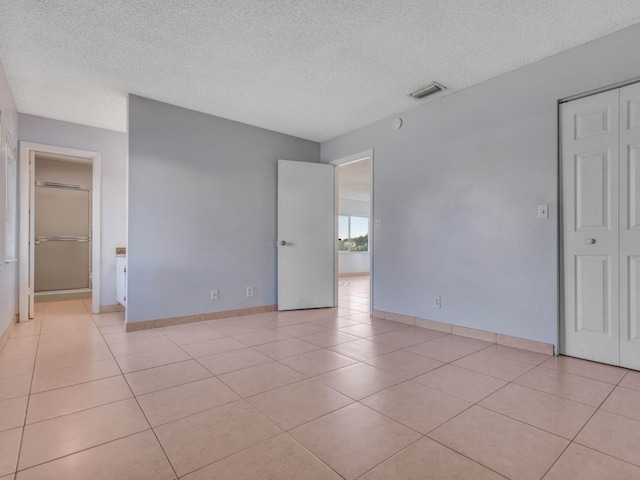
(428,90)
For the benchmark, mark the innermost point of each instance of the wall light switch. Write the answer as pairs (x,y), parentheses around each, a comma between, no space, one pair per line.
(543,211)
(378,223)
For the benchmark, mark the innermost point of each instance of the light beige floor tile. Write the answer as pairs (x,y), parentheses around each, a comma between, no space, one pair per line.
(280,458)
(461,383)
(328,338)
(573,387)
(173,403)
(12,413)
(114,338)
(298,403)
(623,401)
(363,330)
(45,364)
(152,359)
(518,354)
(428,460)
(158,378)
(109,329)
(359,380)
(196,441)
(201,335)
(362,349)
(406,337)
(354,439)
(416,406)
(74,375)
(585,368)
(585,464)
(613,435)
(389,325)
(8,477)
(9,448)
(317,362)
(51,439)
(548,412)
(12,368)
(261,378)
(113,318)
(238,327)
(404,364)
(301,329)
(448,348)
(631,380)
(211,347)
(15,386)
(137,457)
(233,360)
(62,401)
(141,346)
(498,367)
(286,348)
(507,446)
(261,337)
(337,323)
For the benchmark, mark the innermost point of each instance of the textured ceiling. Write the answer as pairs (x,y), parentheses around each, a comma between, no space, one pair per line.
(311,68)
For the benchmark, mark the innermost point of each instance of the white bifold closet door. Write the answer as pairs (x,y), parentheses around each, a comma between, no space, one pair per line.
(600,137)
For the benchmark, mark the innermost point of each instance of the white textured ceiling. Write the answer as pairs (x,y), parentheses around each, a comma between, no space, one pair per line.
(311,68)
(354,181)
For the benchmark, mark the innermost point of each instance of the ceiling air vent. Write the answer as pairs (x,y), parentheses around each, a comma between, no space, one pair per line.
(428,90)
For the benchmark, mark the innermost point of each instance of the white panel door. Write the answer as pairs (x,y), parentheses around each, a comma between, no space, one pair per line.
(591,255)
(306,237)
(630,226)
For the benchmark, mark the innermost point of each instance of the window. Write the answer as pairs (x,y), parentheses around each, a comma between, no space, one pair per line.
(353,234)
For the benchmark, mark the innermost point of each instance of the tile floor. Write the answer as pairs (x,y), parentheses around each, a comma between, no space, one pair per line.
(321,394)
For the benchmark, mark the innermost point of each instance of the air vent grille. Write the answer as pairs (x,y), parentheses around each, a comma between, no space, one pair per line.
(428,90)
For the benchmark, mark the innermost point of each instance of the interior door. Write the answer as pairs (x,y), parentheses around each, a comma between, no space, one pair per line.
(306,237)
(591,255)
(630,226)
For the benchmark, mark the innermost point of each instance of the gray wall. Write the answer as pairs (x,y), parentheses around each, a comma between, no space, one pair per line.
(202,210)
(112,147)
(457,189)
(8,271)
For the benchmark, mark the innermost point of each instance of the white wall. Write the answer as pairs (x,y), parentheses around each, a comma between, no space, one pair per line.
(457,189)
(202,210)
(112,147)
(8,271)
(356,262)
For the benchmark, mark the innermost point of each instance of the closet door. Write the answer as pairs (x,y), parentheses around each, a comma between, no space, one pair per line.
(590,179)
(630,226)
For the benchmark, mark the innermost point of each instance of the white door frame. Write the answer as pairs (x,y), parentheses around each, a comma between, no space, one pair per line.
(345,161)
(26,225)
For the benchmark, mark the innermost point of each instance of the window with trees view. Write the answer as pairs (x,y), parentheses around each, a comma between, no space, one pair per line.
(353,233)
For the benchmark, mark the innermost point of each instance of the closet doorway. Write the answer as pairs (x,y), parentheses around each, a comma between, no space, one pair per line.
(62,228)
(600,157)
(60,203)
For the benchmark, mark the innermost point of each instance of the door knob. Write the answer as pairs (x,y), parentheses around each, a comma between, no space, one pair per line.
(590,241)
(282,243)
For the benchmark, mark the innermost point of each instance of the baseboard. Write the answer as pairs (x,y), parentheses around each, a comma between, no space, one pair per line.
(487,336)
(111,308)
(203,317)
(354,274)
(7,333)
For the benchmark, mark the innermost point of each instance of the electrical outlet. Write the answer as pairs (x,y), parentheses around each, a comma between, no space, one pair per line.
(249,292)
(378,223)
(437,302)
(214,295)
(543,210)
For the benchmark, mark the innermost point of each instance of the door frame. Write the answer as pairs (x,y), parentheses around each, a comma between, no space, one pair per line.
(26,242)
(356,157)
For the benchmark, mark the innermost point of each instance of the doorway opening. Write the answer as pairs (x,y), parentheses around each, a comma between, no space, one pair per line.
(354,199)
(59,226)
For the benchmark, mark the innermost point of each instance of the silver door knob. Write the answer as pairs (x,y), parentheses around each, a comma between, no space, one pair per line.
(282,243)
(590,241)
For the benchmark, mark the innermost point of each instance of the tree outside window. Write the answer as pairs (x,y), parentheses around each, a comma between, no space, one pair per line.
(353,233)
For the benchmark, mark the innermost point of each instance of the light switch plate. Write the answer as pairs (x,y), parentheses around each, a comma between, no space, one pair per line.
(543,211)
